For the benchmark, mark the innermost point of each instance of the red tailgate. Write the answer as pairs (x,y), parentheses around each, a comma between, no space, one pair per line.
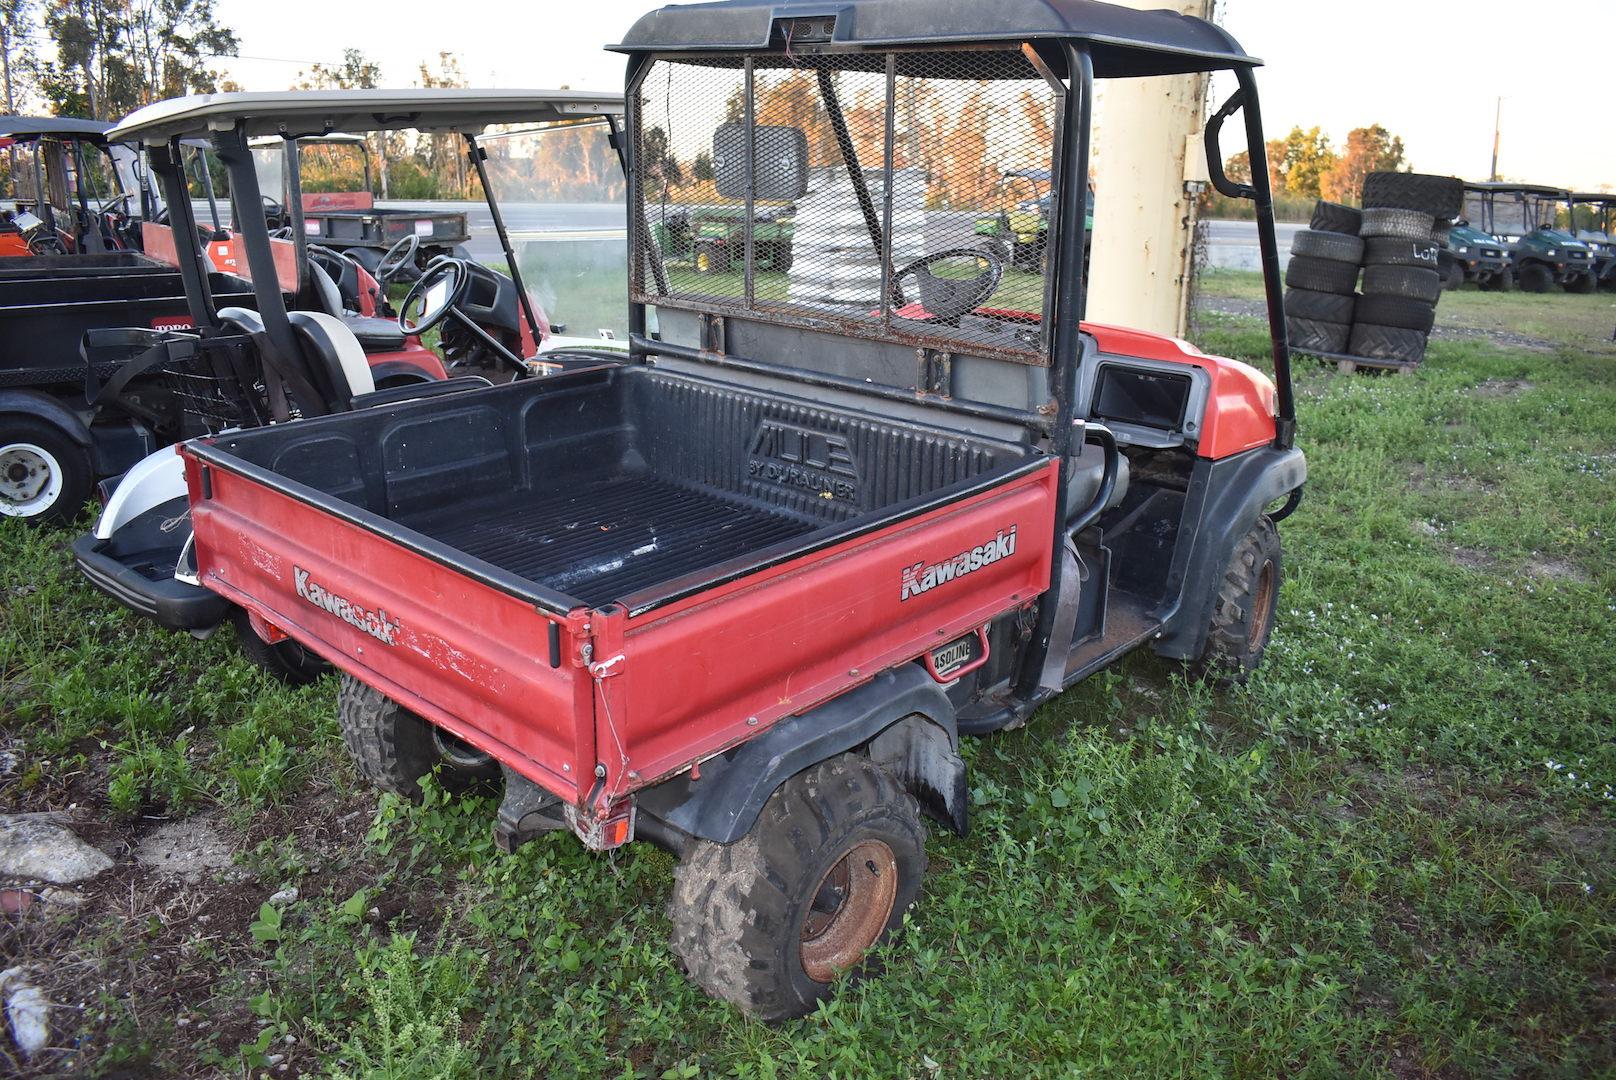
(469,657)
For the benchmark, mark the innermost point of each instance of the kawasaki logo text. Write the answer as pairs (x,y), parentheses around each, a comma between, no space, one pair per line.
(374,623)
(923,577)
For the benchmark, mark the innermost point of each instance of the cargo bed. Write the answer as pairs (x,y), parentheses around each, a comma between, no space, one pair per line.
(619,556)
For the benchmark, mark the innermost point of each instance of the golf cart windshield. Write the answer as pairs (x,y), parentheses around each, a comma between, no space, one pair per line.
(866,185)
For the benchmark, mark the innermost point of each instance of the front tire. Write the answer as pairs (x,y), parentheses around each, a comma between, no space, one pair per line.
(834,860)
(393,748)
(45,477)
(1534,278)
(1243,611)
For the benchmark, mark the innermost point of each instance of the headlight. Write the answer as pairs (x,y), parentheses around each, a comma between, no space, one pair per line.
(1464,251)
(1550,253)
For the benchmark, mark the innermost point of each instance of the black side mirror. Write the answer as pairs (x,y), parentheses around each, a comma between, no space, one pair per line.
(780,160)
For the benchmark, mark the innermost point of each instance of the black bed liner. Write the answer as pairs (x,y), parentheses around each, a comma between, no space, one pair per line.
(618,483)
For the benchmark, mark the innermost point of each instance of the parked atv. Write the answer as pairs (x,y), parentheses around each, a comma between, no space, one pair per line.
(1541,254)
(1599,233)
(742,596)
(711,237)
(278,361)
(1017,232)
(74,192)
(1477,257)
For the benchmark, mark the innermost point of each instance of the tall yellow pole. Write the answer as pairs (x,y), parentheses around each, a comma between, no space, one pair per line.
(1147,148)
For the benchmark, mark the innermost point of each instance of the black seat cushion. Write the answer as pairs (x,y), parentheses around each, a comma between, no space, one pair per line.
(375,335)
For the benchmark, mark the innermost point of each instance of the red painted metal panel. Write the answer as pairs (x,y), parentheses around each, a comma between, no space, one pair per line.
(338,200)
(468,657)
(771,645)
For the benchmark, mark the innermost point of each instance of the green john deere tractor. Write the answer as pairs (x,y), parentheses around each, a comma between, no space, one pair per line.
(1016,231)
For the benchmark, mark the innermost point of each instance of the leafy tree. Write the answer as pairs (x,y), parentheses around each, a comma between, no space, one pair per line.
(355,71)
(702,168)
(113,56)
(1304,159)
(1369,149)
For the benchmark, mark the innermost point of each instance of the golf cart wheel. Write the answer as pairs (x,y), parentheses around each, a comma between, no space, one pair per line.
(1336,218)
(1534,278)
(1396,311)
(710,259)
(1503,281)
(1454,276)
(1314,335)
(287,660)
(45,476)
(833,861)
(1400,251)
(1389,221)
(1243,611)
(996,246)
(393,748)
(780,257)
(1586,283)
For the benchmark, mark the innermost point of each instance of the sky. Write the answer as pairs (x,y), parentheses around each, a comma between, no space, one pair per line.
(1431,71)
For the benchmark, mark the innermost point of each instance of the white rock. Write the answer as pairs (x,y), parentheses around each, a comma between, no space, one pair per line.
(38,849)
(27,1010)
(284,896)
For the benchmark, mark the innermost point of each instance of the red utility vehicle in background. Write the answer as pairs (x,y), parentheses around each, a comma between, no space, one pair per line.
(741,595)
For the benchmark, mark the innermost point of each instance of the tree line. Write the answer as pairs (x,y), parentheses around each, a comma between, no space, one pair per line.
(1305,164)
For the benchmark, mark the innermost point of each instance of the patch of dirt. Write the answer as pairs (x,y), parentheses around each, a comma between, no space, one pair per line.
(190,849)
(1223,305)
(1500,388)
(1422,479)
(1474,559)
(1549,568)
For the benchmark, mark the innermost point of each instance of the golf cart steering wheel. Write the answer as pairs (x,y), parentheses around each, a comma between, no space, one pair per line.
(948,299)
(434,295)
(397,257)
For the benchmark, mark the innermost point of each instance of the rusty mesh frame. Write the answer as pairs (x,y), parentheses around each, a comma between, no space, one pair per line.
(934,135)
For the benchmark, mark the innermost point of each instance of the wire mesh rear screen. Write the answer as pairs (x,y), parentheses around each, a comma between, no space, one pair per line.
(905,197)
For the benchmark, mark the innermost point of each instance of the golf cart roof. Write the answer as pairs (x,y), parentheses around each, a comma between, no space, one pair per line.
(1123,42)
(1606,197)
(310,113)
(336,137)
(1504,187)
(29,127)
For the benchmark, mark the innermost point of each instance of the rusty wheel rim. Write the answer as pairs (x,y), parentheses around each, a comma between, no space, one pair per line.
(1262,607)
(850,910)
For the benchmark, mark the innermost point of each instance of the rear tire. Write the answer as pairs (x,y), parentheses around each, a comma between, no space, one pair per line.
(1397,311)
(1333,217)
(393,748)
(1243,611)
(1395,343)
(1407,224)
(1320,306)
(1440,196)
(1322,275)
(770,921)
(1399,251)
(286,660)
(1328,245)
(1315,336)
(1413,282)
(45,476)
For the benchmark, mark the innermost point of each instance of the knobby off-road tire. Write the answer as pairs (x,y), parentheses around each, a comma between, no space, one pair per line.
(828,870)
(393,748)
(1333,217)
(1586,283)
(1320,306)
(1397,311)
(1387,343)
(1413,282)
(1328,245)
(1534,278)
(1313,335)
(1453,276)
(286,660)
(1440,196)
(1321,275)
(1399,251)
(1503,281)
(1409,224)
(1243,611)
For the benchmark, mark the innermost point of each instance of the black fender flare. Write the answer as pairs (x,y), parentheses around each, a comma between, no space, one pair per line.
(1233,495)
(401,369)
(43,406)
(902,712)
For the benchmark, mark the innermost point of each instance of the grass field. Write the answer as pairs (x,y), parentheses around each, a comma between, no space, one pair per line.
(1391,855)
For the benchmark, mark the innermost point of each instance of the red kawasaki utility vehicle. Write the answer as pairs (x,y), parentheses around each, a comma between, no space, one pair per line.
(741,595)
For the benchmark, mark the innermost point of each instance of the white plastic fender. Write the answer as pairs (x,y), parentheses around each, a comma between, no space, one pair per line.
(152,481)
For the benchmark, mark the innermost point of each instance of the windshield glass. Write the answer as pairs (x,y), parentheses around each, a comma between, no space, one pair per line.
(333,166)
(560,188)
(898,236)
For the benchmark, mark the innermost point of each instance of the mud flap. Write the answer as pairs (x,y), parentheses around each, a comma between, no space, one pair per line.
(1053,676)
(526,811)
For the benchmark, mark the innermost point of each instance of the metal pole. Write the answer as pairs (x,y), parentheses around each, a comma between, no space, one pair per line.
(1268,244)
(165,162)
(1498,118)
(478,158)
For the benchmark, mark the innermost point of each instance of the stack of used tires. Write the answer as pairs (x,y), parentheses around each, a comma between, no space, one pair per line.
(1406,217)
(1322,280)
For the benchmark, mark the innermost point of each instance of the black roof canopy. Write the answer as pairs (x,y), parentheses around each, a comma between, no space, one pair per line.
(1124,42)
(33,127)
(1507,187)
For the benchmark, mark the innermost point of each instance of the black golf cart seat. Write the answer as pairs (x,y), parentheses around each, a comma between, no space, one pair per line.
(374,334)
(331,352)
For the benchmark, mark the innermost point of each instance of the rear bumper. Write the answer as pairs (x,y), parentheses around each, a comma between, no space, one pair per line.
(171,603)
